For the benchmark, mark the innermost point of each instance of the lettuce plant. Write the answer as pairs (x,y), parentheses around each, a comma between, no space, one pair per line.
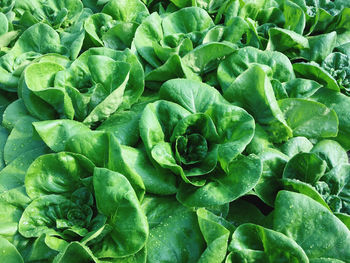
(65,190)
(195,131)
(89,97)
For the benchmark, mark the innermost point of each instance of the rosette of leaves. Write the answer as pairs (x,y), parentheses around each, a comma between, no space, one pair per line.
(301,230)
(334,100)
(194,133)
(34,42)
(90,89)
(315,17)
(7,32)
(323,173)
(77,207)
(303,117)
(245,23)
(179,44)
(56,13)
(333,73)
(307,30)
(115,26)
(311,29)
(66,17)
(338,66)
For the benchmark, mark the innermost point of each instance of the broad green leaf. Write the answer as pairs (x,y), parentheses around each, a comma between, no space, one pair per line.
(215,235)
(14,112)
(39,80)
(75,251)
(187,20)
(253,243)
(3,138)
(306,167)
(124,126)
(298,186)
(296,145)
(309,119)
(331,152)
(146,34)
(4,24)
(170,225)
(12,176)
(252,88)
(301,88)
(286,41)
(21,139)
(8,252)
(128,11)
(117,200)
(312,226)
(269,184)
(275,64)
(60,173)
(314,72)
(56,133)
(243,175)
(194,96)
(207,56)
(134,162)
(337,102)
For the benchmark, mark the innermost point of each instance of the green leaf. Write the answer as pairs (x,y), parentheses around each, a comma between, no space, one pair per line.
(147,33)
(337,102)
(275,64)
(187,20)
(296,145)
(309,119)
(253,88)
(269,184)
(253,243)
(314,72)
(39,38)
(134,162)
(301,88)
(207,56)
(9,252)
(297,186)
(286,41)
(75,251)
(21,139)
(39,80)
(56,133)
(171,224)
(12,176)
(128,11)
(194,96)
(331,152)
(14,112)
(60,174)
(306,167)
(312,226)
(215,235)
(243,174)
(117,200)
